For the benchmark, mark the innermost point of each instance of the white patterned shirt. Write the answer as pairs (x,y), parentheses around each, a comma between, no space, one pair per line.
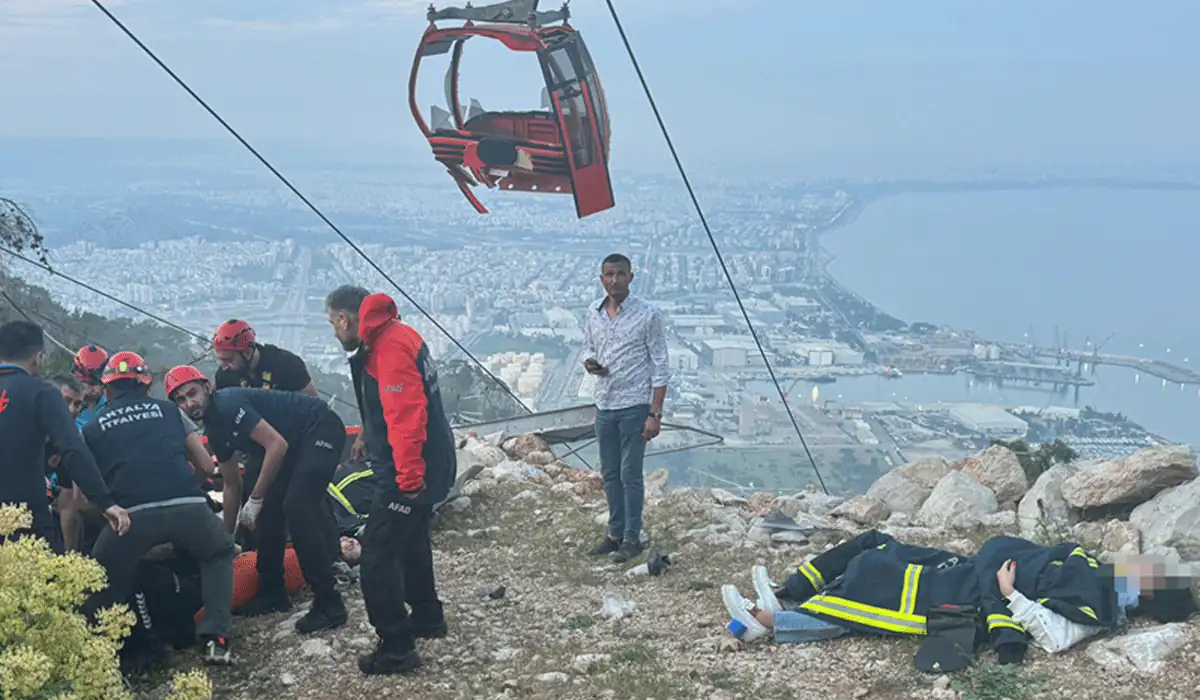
(632,345)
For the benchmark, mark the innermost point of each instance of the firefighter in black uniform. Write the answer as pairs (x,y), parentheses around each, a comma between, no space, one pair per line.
(247,363)
(32,412)
(299,440)
(141,446)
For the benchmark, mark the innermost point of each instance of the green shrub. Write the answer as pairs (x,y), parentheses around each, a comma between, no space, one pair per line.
(49,650)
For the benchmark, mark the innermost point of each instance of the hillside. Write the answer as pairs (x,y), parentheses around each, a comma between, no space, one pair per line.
(525,522)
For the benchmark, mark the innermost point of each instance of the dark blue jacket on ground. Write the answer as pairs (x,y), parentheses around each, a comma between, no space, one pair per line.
(31,412)
(140,444)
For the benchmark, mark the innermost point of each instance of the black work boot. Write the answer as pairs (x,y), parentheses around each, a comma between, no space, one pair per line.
(326,613)
(264,602)
(390,658)
(608,546)
(628,550)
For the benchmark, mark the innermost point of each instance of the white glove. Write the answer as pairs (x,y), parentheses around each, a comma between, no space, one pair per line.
(249,515)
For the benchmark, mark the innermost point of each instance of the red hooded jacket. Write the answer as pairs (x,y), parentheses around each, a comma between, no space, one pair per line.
(404,423)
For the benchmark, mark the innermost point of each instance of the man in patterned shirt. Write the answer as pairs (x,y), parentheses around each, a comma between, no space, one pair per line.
(625,347)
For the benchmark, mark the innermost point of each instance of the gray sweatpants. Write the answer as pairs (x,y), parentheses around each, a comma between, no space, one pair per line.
(191,528)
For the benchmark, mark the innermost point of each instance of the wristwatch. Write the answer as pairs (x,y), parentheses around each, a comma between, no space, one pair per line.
(656,416)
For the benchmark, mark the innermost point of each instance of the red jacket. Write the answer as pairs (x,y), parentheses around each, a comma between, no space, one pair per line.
(403,420)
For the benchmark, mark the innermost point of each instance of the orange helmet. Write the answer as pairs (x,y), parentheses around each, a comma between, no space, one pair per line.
(233,336)
(88,366)
(178,376)
(126,365)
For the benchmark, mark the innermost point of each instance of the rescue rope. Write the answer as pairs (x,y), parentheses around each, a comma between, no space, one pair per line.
(299,195)
(712,239)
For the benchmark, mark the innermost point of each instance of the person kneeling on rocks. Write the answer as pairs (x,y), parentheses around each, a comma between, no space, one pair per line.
(1008,592)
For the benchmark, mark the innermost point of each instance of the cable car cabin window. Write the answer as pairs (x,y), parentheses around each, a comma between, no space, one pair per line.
(578,124)
(561,66)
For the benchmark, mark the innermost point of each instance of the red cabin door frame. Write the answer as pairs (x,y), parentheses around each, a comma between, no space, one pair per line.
(572,88)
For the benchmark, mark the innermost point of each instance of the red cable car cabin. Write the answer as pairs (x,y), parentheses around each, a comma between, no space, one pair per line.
(562,148)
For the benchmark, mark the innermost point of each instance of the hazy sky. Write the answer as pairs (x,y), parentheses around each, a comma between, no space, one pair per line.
(831,86)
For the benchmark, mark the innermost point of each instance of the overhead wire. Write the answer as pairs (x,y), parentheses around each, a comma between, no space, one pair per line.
(313,207)
(15,305)
(206,340)
(711,238)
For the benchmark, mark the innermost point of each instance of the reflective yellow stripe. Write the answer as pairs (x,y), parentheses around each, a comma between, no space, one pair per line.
(908,595)
(1089,612)
(354,477)
(1078,552)
(1056,563)
(336,493)
(814,577)
(1042,601)
(866,615)
(995,621)
(882,546)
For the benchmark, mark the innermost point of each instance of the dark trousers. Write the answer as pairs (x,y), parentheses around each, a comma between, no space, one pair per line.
(191,528)
(295,503)
(622,456)
(397,567)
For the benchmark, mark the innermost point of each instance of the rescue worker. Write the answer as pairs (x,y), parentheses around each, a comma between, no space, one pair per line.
(141,446)
(87,367)
(31,413)
(406,435)
(1058,594)
(299,440)
(247,363)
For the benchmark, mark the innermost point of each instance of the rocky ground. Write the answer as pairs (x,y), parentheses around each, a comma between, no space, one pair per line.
(570,626)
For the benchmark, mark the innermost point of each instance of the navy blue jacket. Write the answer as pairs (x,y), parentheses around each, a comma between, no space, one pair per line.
(234,412)
(31,412)
(140,445)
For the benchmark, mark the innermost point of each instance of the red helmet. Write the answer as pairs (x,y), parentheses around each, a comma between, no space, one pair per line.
(233,336)
(127,365)
(178,376)
(88,366)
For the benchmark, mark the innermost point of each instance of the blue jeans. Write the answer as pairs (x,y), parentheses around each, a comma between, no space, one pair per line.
(793,627)
(622,452)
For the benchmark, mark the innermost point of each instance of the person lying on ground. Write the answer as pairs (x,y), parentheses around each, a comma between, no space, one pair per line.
(1057,595)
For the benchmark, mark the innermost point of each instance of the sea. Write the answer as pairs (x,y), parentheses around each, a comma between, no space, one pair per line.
(1117,268)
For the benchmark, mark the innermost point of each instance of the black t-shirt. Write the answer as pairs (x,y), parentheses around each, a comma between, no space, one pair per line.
(277,369)
(140,444)
(234,412)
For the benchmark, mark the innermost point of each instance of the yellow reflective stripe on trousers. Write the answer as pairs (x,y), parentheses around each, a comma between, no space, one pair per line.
(908,595)
(866,615)
(814,577)
(333,491)
(1086,610)
(995,621)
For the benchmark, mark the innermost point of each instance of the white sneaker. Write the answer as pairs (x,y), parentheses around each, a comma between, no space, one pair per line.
(744,626)
(765,590)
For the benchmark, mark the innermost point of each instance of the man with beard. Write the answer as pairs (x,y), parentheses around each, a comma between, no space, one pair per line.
(299,441)
(408,438)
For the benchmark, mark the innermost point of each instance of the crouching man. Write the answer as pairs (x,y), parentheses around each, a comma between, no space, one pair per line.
(141,447)
(299,440)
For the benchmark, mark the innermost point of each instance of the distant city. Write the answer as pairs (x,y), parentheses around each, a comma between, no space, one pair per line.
(513,288)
